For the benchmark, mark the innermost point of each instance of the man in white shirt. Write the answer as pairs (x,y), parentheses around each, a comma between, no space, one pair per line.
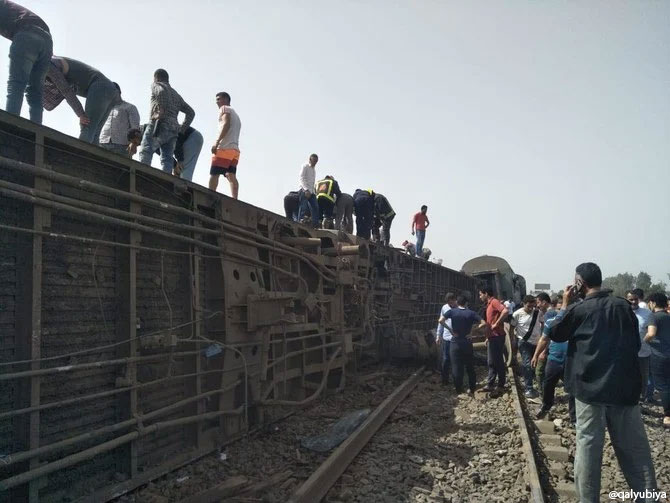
(226,150)
(443,335)
(527,323)
(640,297)
(121,119)
(307,196)
(645,319)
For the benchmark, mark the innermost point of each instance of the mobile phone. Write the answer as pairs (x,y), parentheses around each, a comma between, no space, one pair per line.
(577,287)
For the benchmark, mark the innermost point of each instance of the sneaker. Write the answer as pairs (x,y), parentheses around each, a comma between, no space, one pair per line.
(541,413)
(531,393)
(486,389)
(666,422)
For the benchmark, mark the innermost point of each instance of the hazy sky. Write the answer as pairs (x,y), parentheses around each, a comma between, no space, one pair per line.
(538,131)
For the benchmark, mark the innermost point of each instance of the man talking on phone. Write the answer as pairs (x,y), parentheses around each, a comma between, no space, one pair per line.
(602,373)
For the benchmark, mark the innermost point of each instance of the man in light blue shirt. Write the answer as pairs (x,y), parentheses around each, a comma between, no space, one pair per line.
(644,320)
(443,335)
(555,366)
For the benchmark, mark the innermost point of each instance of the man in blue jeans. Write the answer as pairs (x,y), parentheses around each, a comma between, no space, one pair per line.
(420,223)
(461,354)
(161,133)
(186,153)
(444,333)
(68,78)
(527,323)
(306,184)
(29,57)
(603,374)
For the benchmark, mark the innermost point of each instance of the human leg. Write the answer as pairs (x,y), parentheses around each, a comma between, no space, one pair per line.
(303,206)
(644,373)
(22,56)
(168,143)
(492,361)
(446,358)
(386,236)
(349,218)
(376,225)
(420,238)
(468,360)
(540,370)
(456,364)
(148,146)
(527,351)
(100,99)
(629,440)
(499,359)
(192,148)
(589,453)
(553,373)
(234,184)
(213,182)
(35,88)
(660,368)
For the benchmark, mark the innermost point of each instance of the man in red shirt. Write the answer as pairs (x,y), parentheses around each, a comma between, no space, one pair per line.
(496,313)
(420,223)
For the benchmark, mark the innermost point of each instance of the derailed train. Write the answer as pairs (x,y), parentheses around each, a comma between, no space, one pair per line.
(146,321)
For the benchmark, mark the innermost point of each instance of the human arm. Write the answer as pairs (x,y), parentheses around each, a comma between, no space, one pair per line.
(502,317)
(133,118)
(57,79)
(427,222)
(443,322)
(225,127)
(305,181)
(561,325)
(541,346)
(189,115)
(651,333)
(413,224)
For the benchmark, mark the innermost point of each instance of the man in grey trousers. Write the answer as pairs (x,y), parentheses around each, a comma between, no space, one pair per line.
(603,374)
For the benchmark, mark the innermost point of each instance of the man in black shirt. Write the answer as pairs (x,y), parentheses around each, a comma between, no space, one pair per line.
(658,338)
(291,205)
(383,218)
(603,374)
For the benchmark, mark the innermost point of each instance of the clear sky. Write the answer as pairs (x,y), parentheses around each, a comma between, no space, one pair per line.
(536,131)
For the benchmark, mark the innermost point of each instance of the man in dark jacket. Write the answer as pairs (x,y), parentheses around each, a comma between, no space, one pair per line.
(383,218)
(602,373)
(292,204)
(364,207)
(327,192)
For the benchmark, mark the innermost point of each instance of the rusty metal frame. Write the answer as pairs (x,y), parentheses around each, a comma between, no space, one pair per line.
(266,312)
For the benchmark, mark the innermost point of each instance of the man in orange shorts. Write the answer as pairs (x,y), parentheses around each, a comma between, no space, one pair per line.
(226,150)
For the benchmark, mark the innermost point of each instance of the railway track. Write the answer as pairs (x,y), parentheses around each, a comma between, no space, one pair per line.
(420,443)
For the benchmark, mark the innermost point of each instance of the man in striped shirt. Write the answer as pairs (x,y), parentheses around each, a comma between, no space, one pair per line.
(163,128)
(114,134)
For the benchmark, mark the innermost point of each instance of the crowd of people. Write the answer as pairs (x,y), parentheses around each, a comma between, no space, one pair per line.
(106,119)
(611,353)
(322,204)
(114,124)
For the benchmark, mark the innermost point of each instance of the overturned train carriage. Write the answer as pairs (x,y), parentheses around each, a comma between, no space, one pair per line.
(145,321)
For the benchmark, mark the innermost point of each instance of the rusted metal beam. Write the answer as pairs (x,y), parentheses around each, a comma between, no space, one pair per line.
(320,482)
(536,494)
(225,489)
